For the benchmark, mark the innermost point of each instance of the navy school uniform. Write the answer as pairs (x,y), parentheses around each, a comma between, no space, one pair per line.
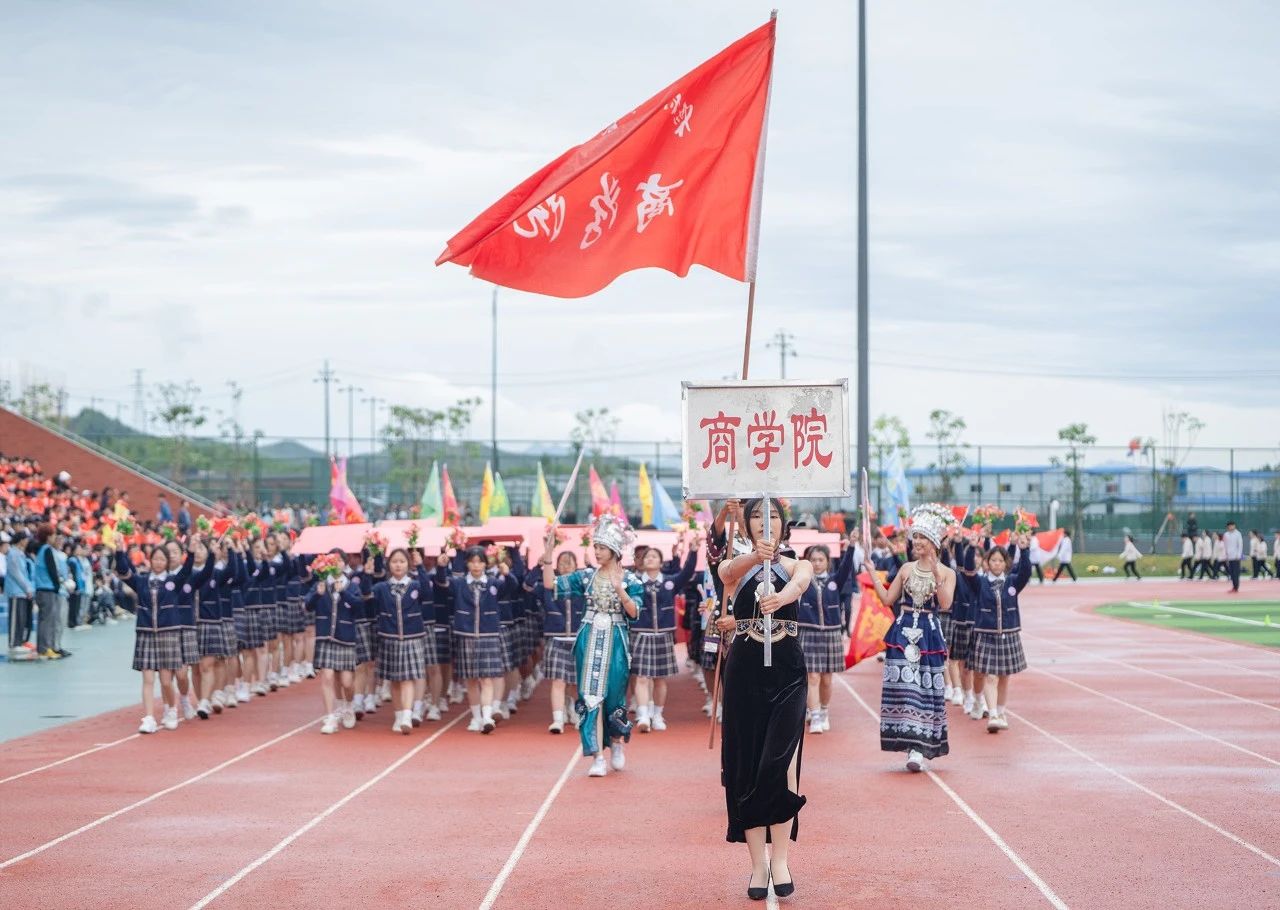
(401,629)
(158,630)
(478,651)
(562,618)
(188,599)
(653,633)
(820,613)
(511,605)
(959,632)
(334,614)
(997,638)
(210,632)
(260,602)
(295,586)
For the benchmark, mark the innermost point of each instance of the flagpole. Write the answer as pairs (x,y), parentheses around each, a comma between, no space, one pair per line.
(746,345)
(864,407)
(753,229)
(493,385)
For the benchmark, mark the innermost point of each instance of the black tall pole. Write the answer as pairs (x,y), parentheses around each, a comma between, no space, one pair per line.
(864,411)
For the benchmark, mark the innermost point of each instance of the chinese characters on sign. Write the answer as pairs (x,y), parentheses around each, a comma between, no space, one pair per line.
(746,438)
(539,217)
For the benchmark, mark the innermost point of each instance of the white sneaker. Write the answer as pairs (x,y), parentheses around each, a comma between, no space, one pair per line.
(826,719)
(242,691)
(513,705)
(982,705)
(957,696)
(915,761)
(294,677)
(330,724)
(273,681)
(203,709)
(260,689)
(598,766)
(968,703)
(188,709)
(148,725)
(947,693)
(659,723)
(371,704)
(643,724)
(473,726)
(403,723)
(619,760)
(993,723)
(170,720)
(1001,721)
(219,701)
(503,711)
(557,723)
(232,697)
(384,693)
(433,713)
(348,718)
(283,679)
(415,716)
(487,724)
(706,706)
(456,696)
(975,711)
(815,722)
(443,705)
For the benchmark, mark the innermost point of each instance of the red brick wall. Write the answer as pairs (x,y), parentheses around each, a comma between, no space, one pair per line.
(22,437)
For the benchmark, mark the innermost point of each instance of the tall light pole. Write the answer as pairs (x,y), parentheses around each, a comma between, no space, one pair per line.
(326,376)
(351,389)
(864,410)
(493,386)
(372,401)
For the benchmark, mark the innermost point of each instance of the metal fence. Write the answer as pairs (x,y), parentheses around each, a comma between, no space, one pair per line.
(1119,490)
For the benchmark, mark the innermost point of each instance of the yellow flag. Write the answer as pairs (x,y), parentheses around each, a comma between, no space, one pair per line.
(646,497)
(486,493)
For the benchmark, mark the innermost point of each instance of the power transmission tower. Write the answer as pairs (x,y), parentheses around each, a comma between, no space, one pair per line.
(326,376)
(351,389)
(784,341)
(373,401)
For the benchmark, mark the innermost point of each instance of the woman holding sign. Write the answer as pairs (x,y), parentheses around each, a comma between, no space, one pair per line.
(764,707)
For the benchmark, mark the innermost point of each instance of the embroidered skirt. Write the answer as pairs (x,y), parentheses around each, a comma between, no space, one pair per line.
(212,639)
(998,654)
(653,655)
(478,657)
(160,650)
(334,655)
(401,659)
(190,646)
(557,660)
(823,650)
(364,641)
(254,631)
(913,709)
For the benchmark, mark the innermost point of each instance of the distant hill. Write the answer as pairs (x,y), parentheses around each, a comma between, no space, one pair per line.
(92,423)
(288,448)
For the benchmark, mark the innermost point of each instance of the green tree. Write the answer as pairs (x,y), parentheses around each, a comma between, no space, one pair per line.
(406,430)
(179,412)
(888,433)
(39,401)
(1078,440)
(945,429)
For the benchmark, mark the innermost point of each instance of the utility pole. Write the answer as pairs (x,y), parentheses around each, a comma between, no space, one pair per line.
(784,341)
(493,386)
(864,399)
(373,401)
(236,393)
(326,376)
(351,389)
(139,403)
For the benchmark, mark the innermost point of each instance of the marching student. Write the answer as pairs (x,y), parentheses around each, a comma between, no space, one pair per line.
(1064,553)
(157,647)
(210,573)
(259,619)
(1187,568)
(1275,554)
(820,613)
(401,636)
(1219,555)
(653,635)
(997,638)
(563,619)
(960,639)
(1130,555)
(228,669)
(1204,556)
(426,692)
(478,656)
(280,645)
(188,676)
(1258,553)
(295,631)
(334,603)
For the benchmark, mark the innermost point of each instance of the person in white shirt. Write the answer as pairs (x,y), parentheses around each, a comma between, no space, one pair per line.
(1187,568)
(1275,554)
(1258,553)
(1233,553)
(1204,557)
(1130,555)
(1064,553)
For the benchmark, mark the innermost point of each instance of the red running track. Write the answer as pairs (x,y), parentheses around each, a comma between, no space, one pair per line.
(1142,769)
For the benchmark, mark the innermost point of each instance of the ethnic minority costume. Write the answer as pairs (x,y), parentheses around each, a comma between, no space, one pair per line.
(600,652)
(997,632)
(764,711)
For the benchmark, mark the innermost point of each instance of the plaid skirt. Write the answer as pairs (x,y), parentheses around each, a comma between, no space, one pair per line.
(230,638)
(295,616)
(401,659)
(960,641)
(365,651)
(998,654)
(190,646)
(444,643)
(510,649)
(823,650)
(557,660)
(334,655)
(160,650)
(478,657)
(255,630)
(430,650)
(946,622)
(653,655)
(212,639)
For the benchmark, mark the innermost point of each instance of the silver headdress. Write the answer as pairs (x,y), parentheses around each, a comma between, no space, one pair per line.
(931,521)
(611,531)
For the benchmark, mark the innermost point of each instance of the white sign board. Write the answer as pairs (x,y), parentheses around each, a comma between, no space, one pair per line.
(743,439)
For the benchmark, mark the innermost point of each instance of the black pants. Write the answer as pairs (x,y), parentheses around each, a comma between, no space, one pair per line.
(1131,568)
(1188,568)
(74,600)
(1039,571)
(1233,569)
(1206,569)
(19,621)
(1260,568)
(1065,567)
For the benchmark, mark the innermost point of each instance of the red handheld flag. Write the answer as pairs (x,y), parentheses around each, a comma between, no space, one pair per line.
(869,626)
(673,183)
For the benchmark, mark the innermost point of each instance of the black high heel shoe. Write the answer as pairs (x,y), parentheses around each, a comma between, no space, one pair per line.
(757,894)
(783,889)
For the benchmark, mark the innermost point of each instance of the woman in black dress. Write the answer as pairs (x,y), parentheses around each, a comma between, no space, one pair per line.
(764,707)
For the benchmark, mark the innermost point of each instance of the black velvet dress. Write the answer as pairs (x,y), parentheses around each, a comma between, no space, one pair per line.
(763,727)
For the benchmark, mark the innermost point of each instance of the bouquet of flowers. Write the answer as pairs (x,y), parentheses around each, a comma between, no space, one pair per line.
(252,526)
(169,531)
(327,566)
(1023,522)
(491,552)
(412,537)
(313,521)
(280,520)
(586,539)
(202,524)
(375,543)
(689,517)
(985,516)
(126,527)
(457,540)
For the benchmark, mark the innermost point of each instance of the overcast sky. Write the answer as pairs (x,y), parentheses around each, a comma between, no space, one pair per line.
(1075,208)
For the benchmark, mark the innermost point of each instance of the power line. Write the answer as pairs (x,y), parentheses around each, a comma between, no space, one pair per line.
(784,341)
(326,376)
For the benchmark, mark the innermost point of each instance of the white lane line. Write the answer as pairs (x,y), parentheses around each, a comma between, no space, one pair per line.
(154,796)
(1167,720)
(1137,669)
(1166,608)
(521,845)
(63,761)
(1147,790)
(229,883)
(986,829)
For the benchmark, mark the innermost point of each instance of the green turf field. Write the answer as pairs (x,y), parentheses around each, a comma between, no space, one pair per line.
(1254,621)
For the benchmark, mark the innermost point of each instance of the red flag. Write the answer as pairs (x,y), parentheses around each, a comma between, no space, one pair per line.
(869,626)
(452,516)
(1049,540)
(673,183)
(599,496)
